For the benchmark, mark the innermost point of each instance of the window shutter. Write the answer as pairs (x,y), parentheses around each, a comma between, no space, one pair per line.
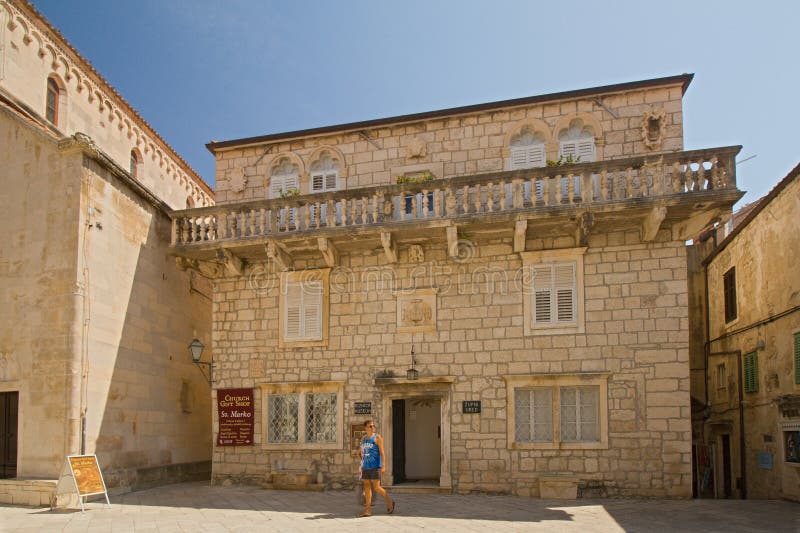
(275,186)
(797,358)
(530,156)
(568,148)
(751,372)
(294,304)
(312,310)
(565,292)
(330,181)
(585,150)
(542,294)
(317,183)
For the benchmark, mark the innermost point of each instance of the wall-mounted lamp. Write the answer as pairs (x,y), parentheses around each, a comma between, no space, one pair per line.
(196,351)
(412,373)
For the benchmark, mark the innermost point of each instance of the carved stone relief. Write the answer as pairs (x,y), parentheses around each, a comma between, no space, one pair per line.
(416,149)
(237,180)
(416,254)
(653,125)
(416,311)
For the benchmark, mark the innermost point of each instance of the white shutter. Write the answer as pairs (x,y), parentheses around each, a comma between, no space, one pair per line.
(568,148)
(530,156)
(330,181)
(542,291)
(312,310)
(292,308)
(275,186)
(317,183)
(585,150)
(565,292)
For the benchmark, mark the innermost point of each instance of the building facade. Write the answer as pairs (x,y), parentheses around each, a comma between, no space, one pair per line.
(501,287)
(96,316)
(748,433)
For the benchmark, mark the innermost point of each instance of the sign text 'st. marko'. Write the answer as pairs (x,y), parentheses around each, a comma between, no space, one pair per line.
(236,417)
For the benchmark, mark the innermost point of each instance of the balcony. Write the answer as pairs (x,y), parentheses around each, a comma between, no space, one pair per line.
(685,190)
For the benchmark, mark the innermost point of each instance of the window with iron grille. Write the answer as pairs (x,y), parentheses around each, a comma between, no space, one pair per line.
(310,416)
(729,289)
(751,372)
(559,411)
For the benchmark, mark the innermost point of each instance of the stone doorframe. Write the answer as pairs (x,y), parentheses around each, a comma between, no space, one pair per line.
(424,387)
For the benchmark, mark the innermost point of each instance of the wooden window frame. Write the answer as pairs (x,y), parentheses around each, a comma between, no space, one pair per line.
(54,89)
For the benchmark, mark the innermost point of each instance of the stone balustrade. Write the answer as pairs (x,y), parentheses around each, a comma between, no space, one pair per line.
(450,199)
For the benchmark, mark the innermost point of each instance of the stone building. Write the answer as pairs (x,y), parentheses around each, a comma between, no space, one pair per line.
(96,316)
(502,287)
(747,427)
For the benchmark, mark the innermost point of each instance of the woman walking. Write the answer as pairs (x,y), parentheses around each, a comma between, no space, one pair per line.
(372,466)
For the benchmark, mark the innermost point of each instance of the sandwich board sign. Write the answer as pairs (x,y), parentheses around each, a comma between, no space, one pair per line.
(86,478)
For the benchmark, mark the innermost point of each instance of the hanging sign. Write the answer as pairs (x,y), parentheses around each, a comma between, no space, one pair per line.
(235,414)
(87,480)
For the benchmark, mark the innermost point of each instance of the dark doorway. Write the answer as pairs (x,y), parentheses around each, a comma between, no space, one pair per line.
(9,409)
(726,466)
(398,441)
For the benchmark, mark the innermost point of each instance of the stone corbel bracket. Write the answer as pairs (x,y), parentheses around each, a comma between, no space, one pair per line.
(279,256)
(652,222)
(389,247)
(520,231)
(329,251)
(233,264)
(207,269)
(584,224)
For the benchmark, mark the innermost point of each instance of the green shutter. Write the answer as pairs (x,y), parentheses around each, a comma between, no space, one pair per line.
(797,358)
(751,372)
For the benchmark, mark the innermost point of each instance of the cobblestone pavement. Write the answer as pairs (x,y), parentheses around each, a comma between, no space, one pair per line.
(196,507)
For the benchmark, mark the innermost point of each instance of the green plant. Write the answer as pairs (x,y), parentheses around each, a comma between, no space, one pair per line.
(568,160)
(425,176)
(290,192)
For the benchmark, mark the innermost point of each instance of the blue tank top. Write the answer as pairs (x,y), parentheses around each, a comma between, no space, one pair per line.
(370,453)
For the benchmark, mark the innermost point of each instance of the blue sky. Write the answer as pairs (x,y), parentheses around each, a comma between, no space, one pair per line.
(199,70)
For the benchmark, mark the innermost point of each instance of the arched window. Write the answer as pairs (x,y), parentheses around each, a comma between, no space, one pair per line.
(527,149)
(134,168)
(325,177)
(283,181)
(324,173)
(283,178)
(52,104)
(577,142)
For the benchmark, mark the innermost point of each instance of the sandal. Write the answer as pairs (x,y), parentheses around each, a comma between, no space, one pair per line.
(390,510)
(364,515)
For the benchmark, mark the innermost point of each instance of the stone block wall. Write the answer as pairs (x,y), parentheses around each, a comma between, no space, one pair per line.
(635,332)
(454,146)
(31,51)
